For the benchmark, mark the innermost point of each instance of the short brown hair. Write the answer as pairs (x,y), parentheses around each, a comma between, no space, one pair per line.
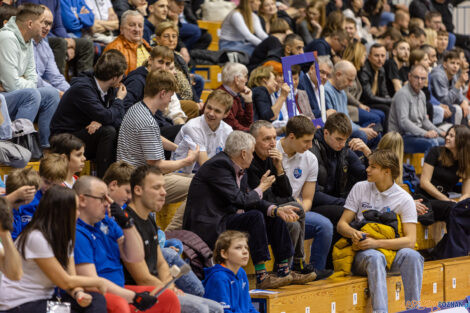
(338,122)
(221,97)
(54,167)
(386,159)
(119,171)
(300,125)
(162,52)
(29,11)
(21,177)
(449,55)
(223,243)
(259,74)
(279,26)
(416,56)
(442,33)
(110,64)
(295,69)
(157,81)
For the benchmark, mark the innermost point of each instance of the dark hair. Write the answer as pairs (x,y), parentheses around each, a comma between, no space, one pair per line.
(430,15)
(338,122)
(290,39)
(462,142)
(386,159)
(376,46)
(299,125)
(158,81)
(139,174)
(110,64)
(29,11)
(391,32)
(65,143)
(55,218)
(119,171)
(295,69)
(224,242)
(6,217)
(396,43)
(416,31)
(449,55)
(6,12)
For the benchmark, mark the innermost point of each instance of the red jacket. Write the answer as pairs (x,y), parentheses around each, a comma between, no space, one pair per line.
(241,114)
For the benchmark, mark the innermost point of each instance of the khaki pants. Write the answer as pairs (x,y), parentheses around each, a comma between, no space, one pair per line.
(177,186)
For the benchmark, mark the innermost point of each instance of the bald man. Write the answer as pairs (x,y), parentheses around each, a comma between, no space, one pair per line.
(343,76)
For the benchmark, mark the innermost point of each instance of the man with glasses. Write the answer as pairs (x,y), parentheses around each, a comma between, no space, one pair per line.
(408,115)
(102,241)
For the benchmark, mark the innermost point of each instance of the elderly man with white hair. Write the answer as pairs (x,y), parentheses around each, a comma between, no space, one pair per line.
(234,79)
(131,42)
(219,199)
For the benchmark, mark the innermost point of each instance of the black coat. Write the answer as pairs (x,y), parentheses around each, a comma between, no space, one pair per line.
(214,195)
(366,77)
(82,104)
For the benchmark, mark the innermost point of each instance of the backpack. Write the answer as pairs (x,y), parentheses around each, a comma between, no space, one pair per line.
(197,253)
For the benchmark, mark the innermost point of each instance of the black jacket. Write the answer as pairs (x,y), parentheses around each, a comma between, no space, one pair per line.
(338,171)
(280,192)
(419,8)
(214,195)
(82,104)
(366,77)
(262,104)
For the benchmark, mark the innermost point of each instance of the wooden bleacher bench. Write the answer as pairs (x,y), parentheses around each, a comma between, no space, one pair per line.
(212,28)
(212,75)
(5,170)
(415,159)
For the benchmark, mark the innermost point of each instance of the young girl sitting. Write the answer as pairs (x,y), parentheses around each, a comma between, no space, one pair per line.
(226,282)
(74,149)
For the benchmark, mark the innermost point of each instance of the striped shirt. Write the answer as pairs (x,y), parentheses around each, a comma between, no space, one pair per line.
(139,137)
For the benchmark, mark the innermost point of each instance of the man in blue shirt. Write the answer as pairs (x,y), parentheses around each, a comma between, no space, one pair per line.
(102,241)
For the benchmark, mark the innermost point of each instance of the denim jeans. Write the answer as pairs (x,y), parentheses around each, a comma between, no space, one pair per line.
(190,34)
(193,304)
(198,84)
(372,143)
(29,103)
(189,283)
(408,262)
(373,116)
(438,115)
(5,127)
(418,144)
(320,228)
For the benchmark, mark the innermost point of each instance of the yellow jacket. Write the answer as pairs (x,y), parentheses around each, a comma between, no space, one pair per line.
(344,252)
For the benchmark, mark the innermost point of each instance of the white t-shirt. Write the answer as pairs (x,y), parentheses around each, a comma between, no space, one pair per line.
(34,284)
(197,132)
(364,196)
(300,168)
(100,8)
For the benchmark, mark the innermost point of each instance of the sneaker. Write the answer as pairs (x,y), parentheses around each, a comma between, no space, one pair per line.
(272,281)
(322,274)
(300,279)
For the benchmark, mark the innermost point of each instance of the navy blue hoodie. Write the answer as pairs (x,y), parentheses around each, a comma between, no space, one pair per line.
(230,290)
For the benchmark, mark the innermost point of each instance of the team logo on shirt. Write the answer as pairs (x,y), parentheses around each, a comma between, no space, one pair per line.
(104,229)
(366,205)
(297,172)
(218,149)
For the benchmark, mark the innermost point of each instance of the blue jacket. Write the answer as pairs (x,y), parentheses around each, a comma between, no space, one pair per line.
(305,84)
(230,290)
(82,104)
(320,46)
(73,20)
(58,29)
(262,104)
(24,215)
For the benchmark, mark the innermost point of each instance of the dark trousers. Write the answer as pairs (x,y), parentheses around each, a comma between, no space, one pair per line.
(384,108)
(98,305)
(263,231)
(84,53)
(101,147)
(456,242)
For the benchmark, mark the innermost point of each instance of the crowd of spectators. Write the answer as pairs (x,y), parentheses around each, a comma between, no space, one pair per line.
(111,82)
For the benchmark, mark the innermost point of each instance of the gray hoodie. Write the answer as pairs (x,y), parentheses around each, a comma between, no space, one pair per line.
(17,66)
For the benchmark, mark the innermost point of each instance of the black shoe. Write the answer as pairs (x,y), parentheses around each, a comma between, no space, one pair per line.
(303,268)
(322,274)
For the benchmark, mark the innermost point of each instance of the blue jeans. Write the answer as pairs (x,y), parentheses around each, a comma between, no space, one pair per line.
(417,144)
(198,84)
(190,34)
(320,228)
(5,128)
(374,116)
(236,46)
(193,304)
(408,262)
(29,103)
(189,283)
(362,135)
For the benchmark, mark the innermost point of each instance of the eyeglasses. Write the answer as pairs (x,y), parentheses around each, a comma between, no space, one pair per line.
(168,36)
(103,199)
(419,78)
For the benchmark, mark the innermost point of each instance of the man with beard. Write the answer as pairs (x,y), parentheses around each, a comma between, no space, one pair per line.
(396,69)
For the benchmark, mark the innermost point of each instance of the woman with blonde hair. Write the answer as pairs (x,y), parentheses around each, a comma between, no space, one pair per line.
(356,54)
(394,142)
(241,29)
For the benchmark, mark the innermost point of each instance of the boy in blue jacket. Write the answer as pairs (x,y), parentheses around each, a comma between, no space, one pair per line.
(226,282)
